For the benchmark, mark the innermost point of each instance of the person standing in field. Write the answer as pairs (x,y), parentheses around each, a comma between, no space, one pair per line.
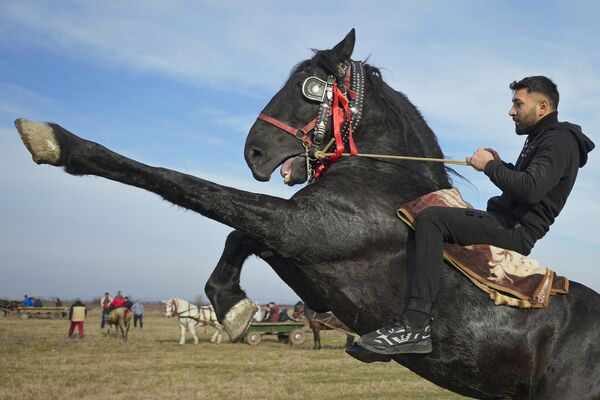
(138,313)
(105,304)
(77,314)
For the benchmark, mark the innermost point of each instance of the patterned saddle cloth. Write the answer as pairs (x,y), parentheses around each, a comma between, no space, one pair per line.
(508,277)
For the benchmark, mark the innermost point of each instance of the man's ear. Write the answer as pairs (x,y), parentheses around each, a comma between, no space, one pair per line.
(543,107)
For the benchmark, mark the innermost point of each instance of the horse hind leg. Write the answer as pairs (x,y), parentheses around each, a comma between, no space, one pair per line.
(192,329)
(182,336)
(127,325)
(217,337)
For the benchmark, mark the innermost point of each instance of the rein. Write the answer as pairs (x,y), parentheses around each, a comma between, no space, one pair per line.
(322,154)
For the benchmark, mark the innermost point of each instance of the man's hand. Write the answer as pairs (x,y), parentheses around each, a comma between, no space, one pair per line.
(481,157)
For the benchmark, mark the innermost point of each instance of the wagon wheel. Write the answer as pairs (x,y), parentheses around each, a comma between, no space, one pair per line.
(297,337)
(56,315)
(24,316)
(253,338)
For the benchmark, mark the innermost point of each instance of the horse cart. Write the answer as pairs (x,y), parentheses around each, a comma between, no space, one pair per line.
(42,312)
(291,330)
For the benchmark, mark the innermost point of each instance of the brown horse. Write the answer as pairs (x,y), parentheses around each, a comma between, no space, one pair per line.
(321,322)
(120,318)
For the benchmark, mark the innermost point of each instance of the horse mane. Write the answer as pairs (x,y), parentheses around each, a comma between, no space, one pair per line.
(413,136)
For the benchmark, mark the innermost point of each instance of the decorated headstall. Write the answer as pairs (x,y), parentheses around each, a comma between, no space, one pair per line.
(341,97)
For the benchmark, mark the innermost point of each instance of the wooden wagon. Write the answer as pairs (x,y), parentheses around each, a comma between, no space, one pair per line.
(43,312)
(292,330)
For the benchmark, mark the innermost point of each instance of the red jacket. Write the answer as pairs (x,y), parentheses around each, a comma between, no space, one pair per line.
(273,315)
(118,302)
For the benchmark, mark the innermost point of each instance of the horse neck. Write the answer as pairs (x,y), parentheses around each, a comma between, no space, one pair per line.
(392,125)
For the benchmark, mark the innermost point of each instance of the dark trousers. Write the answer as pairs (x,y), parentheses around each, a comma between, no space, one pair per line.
(462,226)
(104,318)
(137,318)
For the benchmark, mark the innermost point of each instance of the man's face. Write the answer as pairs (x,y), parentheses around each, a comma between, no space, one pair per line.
(524,111)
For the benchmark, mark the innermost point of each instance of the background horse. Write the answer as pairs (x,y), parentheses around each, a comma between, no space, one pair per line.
(322,322)
(120,318)
(337,242)
(190,315)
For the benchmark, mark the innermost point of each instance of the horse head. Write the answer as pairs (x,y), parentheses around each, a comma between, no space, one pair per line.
(318,115)
(170,307)
(295,123)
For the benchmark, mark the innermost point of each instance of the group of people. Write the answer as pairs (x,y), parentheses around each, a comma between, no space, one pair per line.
(29,301)
(272,313)
(119,300)
(78,312)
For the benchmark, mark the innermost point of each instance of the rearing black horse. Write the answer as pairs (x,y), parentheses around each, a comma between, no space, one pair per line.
(339,246)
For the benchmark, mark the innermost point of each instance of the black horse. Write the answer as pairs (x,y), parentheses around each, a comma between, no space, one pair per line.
(338,244)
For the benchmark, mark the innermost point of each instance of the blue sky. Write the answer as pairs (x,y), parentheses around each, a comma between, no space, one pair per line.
(178,84)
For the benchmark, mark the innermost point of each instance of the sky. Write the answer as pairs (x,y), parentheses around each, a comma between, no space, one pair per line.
(178,84)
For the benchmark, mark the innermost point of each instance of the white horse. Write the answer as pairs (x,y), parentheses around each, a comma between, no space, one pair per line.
(190,315)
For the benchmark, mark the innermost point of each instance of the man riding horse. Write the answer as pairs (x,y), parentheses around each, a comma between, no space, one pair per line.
(534,191)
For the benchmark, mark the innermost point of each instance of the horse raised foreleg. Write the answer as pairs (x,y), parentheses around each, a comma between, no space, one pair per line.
(249,212)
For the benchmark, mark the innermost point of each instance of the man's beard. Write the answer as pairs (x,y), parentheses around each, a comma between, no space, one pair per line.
(526,123)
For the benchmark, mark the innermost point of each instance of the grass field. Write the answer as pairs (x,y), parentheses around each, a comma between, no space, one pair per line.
(38,362)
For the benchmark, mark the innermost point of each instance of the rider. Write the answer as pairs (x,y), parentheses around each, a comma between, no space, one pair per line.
(118,301)
(534,191)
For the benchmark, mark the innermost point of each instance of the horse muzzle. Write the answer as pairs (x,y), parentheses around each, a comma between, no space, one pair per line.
(294,170)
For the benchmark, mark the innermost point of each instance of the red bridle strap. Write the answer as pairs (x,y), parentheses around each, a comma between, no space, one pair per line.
(300,134)
(338,120)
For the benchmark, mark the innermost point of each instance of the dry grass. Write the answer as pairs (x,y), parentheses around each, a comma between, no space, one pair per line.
(37,362)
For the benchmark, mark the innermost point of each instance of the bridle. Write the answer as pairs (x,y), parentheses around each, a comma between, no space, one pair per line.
(341,97)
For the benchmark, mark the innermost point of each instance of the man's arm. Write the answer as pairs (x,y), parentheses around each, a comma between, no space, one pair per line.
(553,155)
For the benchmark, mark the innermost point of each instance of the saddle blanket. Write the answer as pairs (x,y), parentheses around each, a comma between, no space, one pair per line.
(508,277)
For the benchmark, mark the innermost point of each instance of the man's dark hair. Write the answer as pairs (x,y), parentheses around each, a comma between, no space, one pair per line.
(539,84)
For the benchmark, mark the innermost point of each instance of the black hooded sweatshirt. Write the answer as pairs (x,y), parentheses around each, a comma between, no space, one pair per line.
(535,189)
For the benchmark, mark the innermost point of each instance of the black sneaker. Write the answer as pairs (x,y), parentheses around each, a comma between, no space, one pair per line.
(364,355)
(398,338)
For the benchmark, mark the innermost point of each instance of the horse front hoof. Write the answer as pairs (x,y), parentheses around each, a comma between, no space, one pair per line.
(238,318)
(40,140)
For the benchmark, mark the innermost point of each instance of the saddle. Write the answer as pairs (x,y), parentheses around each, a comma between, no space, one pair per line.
(508,277)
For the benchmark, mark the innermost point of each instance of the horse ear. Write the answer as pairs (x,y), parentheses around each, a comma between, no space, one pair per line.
(345,48)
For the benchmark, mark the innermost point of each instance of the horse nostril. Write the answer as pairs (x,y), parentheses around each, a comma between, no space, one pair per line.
(255,154)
